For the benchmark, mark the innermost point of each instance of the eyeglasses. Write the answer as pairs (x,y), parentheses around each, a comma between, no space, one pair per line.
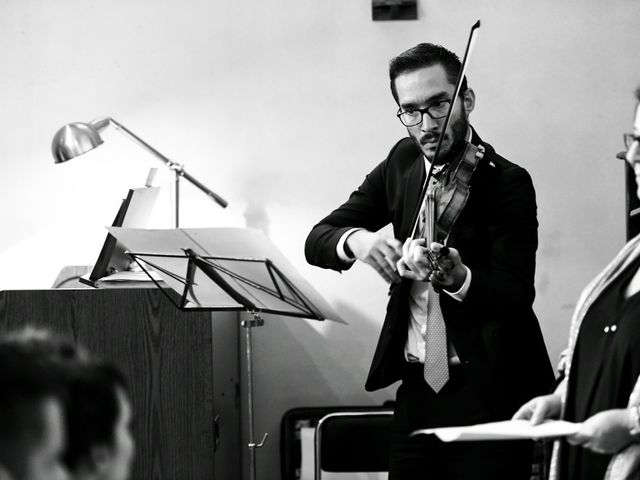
(411,118)
(629,138)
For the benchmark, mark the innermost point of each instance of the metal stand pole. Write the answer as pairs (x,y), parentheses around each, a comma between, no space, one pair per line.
(176,199)
(256,321)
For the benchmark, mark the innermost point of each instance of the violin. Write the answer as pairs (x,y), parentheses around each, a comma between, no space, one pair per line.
(451,192)
(446,194)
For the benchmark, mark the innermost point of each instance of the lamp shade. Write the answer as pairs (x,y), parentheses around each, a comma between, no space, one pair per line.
(74,139)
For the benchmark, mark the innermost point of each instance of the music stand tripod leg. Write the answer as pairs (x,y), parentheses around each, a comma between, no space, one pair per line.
(256,321)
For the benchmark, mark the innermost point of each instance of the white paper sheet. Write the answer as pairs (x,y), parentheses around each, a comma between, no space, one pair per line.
(507,430)
(131,276)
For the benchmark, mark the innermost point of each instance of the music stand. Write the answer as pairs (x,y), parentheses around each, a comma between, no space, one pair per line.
(133,212)
(227,269)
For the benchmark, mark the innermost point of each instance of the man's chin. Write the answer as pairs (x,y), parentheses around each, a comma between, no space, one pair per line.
(429,151)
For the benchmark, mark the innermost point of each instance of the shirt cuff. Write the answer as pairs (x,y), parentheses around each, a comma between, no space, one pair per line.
(342,255)
(462,292)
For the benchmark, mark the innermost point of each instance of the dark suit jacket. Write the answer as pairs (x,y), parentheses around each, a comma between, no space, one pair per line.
(494,330)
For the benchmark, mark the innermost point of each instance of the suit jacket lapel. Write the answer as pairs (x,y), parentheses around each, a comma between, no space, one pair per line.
(412,189)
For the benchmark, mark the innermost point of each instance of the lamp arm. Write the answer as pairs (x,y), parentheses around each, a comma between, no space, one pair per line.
(217,198)
(101,123)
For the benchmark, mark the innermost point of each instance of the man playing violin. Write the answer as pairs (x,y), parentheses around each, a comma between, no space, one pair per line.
(459,332)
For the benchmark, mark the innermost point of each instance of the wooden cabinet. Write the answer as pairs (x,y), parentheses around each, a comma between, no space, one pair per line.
(182,368)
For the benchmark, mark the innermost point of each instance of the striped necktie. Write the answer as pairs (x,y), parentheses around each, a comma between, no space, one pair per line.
(436,359)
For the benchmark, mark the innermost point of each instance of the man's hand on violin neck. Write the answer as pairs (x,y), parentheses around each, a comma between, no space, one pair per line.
(450,274)
(379,251)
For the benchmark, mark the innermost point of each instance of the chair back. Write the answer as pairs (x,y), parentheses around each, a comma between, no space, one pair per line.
(353,442)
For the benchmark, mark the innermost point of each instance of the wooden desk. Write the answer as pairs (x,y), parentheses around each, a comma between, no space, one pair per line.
(170,359)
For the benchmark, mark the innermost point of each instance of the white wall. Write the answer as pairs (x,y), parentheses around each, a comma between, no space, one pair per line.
(282,107)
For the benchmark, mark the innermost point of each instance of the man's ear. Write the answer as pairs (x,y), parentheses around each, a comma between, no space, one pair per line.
(468,101)
(100,459)
(4,474)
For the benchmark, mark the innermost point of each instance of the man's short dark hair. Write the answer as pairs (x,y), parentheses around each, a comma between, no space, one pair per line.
(45,346)
(25,387)
(425,55)
(94,409)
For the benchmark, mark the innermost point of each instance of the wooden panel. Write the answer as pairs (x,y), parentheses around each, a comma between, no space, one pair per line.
(166,355)
(226,399)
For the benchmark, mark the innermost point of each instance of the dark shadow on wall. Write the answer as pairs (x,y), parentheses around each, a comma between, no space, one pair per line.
(255,216)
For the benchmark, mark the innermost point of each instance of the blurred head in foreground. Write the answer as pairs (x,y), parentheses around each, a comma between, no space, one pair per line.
(32,432)
(99,442)
(99,445)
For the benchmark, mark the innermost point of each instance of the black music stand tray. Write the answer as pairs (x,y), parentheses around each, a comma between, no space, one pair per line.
(263,282)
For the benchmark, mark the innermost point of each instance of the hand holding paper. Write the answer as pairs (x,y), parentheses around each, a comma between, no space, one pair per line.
(606,432)
(539,409)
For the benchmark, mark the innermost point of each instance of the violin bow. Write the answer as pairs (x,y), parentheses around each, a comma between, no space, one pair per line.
(463,69)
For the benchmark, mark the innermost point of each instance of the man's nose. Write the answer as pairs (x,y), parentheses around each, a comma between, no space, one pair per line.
(633,154)
(427,123)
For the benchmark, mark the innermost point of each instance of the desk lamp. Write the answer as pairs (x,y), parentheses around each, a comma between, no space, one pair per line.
(77,138)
